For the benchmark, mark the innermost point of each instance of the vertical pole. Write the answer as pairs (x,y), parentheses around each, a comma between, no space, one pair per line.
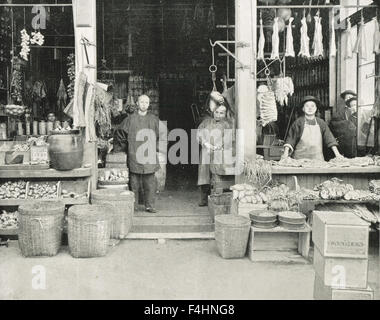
(84,17)
(245,32)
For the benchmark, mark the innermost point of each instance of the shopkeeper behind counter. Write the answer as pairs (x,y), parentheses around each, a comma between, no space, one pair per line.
(309,134)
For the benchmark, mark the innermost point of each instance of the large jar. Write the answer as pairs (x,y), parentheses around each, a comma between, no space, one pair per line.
(66,150)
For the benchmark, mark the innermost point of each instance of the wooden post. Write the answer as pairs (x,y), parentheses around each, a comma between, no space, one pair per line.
(245,48)
(84,12)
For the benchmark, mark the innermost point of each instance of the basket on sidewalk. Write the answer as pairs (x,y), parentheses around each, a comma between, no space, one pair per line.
(40,228)
(89,230)
(123,203)
(219,204)
(231,235)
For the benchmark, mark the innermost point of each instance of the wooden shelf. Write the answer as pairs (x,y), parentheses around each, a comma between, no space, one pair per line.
(49,173)
(8,232)
(302,171)
(66,201)
(306,229)
(342,201)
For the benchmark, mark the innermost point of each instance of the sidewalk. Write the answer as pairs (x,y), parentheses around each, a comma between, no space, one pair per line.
(144,269)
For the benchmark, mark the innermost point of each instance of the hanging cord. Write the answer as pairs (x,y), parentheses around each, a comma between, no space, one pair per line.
(213,68)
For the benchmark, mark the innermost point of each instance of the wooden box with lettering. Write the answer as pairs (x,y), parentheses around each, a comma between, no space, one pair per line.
(353,272)
(340,234)
(322,292)
(39,154)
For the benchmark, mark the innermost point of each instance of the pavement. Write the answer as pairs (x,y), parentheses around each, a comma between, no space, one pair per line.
(147,269)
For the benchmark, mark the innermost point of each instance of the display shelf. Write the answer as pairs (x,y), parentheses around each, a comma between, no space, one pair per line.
(342,201)
(307,228)
(344,170)
(66,201)
(8,232)
(47,173)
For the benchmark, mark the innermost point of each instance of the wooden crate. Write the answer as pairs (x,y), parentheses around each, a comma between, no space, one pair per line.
(322,292)
(279,242)
(81,187)
(220,183)
(340,234)
(332,270)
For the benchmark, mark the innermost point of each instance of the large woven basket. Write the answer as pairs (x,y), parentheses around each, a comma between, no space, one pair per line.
(219,204)
(40,228)
(123,203)
(231,235)
(89,229)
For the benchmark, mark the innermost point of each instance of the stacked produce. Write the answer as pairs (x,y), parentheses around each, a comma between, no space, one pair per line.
(374,186)
(9,220)
(246,193)
(281,198)
(334,189)
(13,190)
(42,190)
(114,175)
(14,110)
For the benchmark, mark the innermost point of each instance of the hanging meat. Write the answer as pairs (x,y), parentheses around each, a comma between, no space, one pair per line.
(318,38)
(362,43)
(289,40)
(376,37)
(305,41)
(283,88)
(260,53)
(348,54)
(333,44)
(275,41)
(267,105)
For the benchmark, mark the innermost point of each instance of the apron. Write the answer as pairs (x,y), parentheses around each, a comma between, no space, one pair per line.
(310,145)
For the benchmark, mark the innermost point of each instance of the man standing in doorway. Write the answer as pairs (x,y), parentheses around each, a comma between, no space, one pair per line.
(140,132)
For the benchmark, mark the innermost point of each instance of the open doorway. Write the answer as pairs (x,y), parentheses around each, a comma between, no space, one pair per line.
(164,47)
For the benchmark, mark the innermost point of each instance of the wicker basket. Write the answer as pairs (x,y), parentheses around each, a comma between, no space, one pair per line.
(123,203)
(40,228)
(219,204)
(89,228)
(231,235)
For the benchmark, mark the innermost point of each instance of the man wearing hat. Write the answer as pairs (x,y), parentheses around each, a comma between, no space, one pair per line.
(308,134)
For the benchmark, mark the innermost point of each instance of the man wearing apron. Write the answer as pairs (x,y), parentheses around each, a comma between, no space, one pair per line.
(308,134)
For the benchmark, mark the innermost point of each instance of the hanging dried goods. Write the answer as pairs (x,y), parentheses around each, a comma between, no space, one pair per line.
(332,41)
(362,42)
(349,45)
(283,87)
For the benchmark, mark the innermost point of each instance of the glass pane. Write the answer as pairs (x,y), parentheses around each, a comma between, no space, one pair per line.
(364,119)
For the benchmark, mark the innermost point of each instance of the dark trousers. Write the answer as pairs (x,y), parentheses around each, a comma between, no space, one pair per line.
(149,186)
(205,192)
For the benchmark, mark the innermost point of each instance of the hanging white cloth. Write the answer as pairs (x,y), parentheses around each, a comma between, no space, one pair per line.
(305,40)
(362,43)
(289,40)
(348,54)
(275,41)
(376,37)
(318,38)
(260,53)
(333,43)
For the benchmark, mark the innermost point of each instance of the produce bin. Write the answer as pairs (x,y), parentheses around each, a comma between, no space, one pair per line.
(89,230)
(40,228)
(231,235)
